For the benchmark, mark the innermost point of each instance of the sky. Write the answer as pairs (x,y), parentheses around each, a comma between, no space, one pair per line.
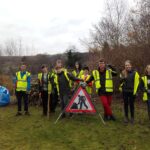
(49,26)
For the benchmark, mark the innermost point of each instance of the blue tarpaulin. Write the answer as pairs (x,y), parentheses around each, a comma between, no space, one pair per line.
(4,96)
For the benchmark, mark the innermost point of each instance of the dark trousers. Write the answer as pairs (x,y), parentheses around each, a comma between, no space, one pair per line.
(54,100)
(44,96)
(64,101)
(148,107)
(129,99)
(22,95)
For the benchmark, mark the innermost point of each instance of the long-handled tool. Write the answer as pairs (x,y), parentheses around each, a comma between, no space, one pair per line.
(48,106)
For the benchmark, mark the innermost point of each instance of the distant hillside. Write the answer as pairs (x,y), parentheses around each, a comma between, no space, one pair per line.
(9,64)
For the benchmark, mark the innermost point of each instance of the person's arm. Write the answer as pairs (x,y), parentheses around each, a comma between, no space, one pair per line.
(73,78)
(122,78)
(113,70)
(141,86)
(15,82)
(90,80)
(29,83)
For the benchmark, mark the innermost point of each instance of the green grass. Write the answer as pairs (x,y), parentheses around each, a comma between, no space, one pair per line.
(81,132)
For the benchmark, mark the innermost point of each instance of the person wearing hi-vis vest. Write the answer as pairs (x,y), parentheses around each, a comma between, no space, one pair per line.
(129,87)
(85,78)
(44,88)
(62,80)
(22,88)
(77,72)
(103,78)
(145,87)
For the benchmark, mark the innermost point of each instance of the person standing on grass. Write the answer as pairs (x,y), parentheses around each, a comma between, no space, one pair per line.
(44,88)
(63,84)
(103,78)
(129,87)
(22,88)
(145,87)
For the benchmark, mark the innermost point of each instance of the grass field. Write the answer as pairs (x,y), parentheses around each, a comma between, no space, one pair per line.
(82,132)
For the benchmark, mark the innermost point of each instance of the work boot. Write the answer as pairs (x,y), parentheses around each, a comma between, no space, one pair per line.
(27,113)
(112,118)
(70,115)
(126,120)
(63,116)
(105,118)
(18,113)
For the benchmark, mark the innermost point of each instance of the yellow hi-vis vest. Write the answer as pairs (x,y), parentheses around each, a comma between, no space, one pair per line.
(56,80)
(77,75)
(136,83)
(108,80)
(21,84)
(49,84)
(88,88)
(145,96)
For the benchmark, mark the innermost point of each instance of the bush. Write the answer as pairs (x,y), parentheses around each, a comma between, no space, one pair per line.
(7,82)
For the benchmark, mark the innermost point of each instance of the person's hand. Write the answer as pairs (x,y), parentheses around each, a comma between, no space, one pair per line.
(108,65)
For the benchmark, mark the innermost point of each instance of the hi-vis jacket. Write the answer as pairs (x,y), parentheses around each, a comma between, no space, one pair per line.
(40,78)
(22,81)
(145,95)
(74,72)
(89,87)
(136,83)
(108,80)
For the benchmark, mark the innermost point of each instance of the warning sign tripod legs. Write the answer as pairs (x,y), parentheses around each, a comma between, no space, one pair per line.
(86,105)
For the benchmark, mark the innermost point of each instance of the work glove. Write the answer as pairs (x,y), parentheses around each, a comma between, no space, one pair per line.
(110,66)
(83,84)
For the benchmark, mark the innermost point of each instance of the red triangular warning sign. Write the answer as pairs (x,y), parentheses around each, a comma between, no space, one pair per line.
(80,103)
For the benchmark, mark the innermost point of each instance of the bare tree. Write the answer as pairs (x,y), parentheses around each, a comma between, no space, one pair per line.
(139,28)
(111,27)
(10,48)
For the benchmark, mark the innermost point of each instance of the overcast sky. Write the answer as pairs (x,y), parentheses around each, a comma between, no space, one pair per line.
(49,25)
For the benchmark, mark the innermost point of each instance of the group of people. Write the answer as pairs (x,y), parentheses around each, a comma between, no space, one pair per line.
(59,83)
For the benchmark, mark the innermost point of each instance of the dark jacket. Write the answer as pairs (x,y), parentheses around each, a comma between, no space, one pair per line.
(128,82)
(64,87)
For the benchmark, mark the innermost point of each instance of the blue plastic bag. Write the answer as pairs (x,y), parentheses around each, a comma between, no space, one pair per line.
(4,96)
